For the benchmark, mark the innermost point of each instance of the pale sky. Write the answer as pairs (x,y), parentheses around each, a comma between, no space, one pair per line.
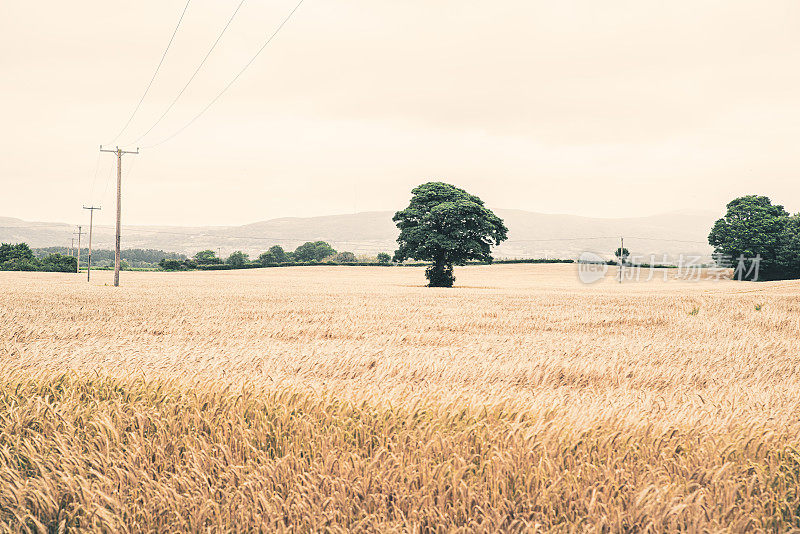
(612,108)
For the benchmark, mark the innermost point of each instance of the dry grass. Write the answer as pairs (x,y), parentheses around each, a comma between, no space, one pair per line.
(354,399)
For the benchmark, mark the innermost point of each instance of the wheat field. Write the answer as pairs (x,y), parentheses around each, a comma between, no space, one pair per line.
(354,399)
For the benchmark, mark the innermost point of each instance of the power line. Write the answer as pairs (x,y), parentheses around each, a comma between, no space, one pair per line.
(607,237)
(94,180)
(158,67)
(109,175)
(225,89)
(194,74)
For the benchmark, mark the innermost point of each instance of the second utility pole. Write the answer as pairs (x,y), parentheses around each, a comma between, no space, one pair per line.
(89,257)
(78,263)
(119,152)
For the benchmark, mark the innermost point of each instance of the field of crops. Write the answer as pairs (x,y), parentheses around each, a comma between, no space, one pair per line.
(353,398)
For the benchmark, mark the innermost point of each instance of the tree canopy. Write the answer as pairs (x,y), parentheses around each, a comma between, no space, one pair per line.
(237,259)
(207,257)
(622,254)
(753,228)
(273,256)
(313,251)
(446,225)
(20,257)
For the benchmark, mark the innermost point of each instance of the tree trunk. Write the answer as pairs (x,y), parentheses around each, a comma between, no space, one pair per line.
(440,274)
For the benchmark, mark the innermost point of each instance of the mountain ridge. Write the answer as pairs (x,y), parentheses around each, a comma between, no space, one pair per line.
(531,234)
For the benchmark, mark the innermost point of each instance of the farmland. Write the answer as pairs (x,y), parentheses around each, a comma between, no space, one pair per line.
(354,398)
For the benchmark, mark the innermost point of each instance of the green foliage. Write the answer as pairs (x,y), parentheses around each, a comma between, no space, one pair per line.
(447,226)
(789,248)
(171,265)
(136,257)
(273,256)
(207,257)
(753,227)
(18,253)
(622,254)
(59,263)
(237,259)
(384,258)
(312,251)
(20,257)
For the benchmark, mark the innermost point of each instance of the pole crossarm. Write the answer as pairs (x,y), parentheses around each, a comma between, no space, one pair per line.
(119,150)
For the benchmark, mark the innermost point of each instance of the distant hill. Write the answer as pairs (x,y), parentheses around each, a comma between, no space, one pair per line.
(534,235)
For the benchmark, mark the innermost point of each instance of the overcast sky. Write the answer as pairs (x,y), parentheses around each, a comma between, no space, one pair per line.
(612,108)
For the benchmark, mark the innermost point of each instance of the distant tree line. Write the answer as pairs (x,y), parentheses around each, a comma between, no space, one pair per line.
(20,257)
(136,258)
(311,252)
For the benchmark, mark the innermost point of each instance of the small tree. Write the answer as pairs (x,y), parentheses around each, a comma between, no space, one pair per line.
(446,225)
(622,254)
(237,259)
(273,256)
(313,251)
(206,257)
(384,258)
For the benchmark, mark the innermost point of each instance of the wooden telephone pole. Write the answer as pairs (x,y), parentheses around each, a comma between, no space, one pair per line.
(78,263)
(119,152)
(89,257)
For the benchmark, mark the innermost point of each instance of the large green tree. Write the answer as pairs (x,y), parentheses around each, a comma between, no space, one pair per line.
(754,227)
(447,226)
(789,248)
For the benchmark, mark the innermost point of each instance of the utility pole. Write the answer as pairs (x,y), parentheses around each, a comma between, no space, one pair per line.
(78,263)
(621,257)
(119,152)
(89,257)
